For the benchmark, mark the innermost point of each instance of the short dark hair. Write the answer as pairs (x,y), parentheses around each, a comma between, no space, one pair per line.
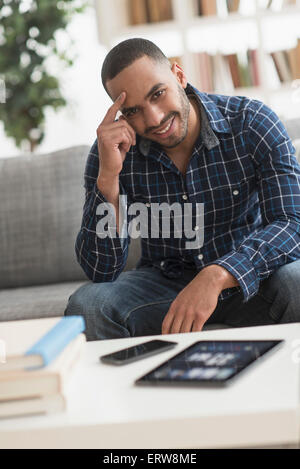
(127,52)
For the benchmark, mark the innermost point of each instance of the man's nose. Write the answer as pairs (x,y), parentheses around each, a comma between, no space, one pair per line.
(153,118)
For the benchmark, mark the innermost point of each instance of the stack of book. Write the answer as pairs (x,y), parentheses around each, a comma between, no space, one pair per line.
(37,357)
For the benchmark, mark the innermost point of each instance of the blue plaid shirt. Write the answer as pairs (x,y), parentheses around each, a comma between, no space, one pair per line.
(243,168)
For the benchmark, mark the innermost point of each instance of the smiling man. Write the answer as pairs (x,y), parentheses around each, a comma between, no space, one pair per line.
(173,144)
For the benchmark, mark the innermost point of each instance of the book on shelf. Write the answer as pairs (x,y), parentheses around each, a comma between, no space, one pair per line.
(234,69)
(222,79)
(274,81)
(277,67)
(204,71)
(138,12)
(282,66)
(224,73)
(298,57)
(166,10)
(153,10)
(32,405)
(207,7)
(294,60)
(254,67)
(233,6)
(210,7)
(278,4)
(244,69)
(287,63)
(150,11)
(20,384)
(35,343)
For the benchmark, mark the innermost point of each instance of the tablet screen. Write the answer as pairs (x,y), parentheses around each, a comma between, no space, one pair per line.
(209,362)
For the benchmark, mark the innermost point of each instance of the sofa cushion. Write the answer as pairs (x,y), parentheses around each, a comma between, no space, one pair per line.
(293,128)
(36,302)
(42,198)
(41,208)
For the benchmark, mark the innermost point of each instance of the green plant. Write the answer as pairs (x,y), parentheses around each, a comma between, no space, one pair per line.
(27,39)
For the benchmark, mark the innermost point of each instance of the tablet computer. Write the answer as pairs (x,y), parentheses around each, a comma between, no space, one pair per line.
(210,363)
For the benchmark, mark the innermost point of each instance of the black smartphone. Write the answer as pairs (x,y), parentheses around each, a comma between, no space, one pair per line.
(131,354)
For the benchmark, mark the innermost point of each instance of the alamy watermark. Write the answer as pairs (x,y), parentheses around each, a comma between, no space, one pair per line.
(185,223)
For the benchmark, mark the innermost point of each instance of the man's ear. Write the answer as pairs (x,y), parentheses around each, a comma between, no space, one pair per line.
(179,74)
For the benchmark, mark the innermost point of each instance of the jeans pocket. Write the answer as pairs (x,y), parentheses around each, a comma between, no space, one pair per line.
(255,312)
(276,302)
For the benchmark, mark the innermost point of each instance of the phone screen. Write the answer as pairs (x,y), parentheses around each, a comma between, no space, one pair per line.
(138,351)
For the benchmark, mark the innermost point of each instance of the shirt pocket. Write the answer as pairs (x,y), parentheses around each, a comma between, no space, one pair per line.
(230,202)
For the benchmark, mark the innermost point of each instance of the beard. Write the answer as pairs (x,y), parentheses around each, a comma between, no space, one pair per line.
(183,115)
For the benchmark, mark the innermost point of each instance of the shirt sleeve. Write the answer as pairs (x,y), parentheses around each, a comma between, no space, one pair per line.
(101,258)
(278,181)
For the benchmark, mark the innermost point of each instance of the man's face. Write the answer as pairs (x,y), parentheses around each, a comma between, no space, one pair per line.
(156,104)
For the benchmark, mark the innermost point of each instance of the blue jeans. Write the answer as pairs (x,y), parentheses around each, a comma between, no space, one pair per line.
(136,303)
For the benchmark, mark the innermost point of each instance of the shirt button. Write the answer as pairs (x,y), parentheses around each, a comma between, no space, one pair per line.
(184,197)
(200,257)
(148,204)
(235,192)
(196,228)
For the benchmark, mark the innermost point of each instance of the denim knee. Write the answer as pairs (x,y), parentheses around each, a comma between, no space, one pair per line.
(95,302)
(87,301)
(284,286)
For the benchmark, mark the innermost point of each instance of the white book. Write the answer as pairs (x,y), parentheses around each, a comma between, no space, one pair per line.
(273,78)
(222,76)
(17,384)
(31,406)
(283,65)
(35,343)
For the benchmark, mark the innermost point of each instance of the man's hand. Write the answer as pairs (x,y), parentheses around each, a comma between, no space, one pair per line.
(114,140)
(197,301)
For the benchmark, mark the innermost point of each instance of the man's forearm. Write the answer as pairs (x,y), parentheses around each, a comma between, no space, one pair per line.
(220,277)
(109,187)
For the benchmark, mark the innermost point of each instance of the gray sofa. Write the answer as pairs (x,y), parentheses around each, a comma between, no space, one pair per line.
(41,205)
(40,214)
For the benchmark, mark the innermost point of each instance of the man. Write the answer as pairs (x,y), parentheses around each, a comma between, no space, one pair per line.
(175,145)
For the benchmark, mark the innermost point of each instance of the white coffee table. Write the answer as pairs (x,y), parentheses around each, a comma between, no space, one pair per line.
(106,410)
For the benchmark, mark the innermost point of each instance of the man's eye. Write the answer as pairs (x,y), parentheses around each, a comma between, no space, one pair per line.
(130,113)
(158,94)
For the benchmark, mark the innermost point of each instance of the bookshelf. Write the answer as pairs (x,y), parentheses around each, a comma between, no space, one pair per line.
(262,42)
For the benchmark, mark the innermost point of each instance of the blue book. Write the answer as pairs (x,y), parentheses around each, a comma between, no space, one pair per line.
(35,343)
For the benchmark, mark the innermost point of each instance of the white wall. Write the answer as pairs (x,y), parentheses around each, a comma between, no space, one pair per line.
(81,86)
